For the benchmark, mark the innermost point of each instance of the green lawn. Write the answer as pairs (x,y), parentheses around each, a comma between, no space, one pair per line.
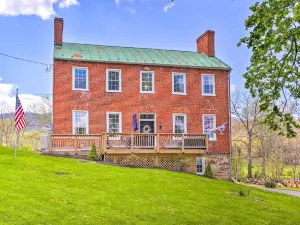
(32,191)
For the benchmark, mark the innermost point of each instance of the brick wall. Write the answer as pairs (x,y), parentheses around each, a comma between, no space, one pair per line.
(97,101)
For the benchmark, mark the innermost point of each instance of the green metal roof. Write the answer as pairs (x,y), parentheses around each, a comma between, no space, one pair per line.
(145,56)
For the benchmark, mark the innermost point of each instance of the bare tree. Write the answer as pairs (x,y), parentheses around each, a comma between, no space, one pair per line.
(292,155)
(245,111)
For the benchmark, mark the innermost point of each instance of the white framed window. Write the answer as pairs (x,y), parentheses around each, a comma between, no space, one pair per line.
(80,122)
(208,84)
(179,123)
(113,80)
(179,83)
(147,82)
(200,165)
(114,122)
(209,124)
(80,78)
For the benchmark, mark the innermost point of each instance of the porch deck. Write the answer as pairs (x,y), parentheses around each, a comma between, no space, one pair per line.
(122,143)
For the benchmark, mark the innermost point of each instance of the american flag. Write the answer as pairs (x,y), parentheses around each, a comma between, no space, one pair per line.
(20,120)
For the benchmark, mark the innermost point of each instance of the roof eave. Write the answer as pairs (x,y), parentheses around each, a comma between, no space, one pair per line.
(146,64)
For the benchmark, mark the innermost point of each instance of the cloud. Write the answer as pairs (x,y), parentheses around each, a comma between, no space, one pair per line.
(232,87)
(1,79)
(168,6)
(8,99)
(117,2)
(130,10)
(41,8)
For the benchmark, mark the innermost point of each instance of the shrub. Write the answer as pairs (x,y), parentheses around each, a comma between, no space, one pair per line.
(93,153)
(208,172)
(183,161)
(270,184)
(25,148)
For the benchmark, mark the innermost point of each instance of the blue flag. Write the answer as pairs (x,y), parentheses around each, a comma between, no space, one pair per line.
(135,124)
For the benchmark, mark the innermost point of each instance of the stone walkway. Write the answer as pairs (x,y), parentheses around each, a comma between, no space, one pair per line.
(287,192)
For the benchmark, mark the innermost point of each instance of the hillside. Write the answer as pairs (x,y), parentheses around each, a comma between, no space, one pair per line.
(37,189)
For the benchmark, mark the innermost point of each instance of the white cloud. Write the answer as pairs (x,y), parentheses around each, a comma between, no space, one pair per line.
(117,2)
(8,99)
(130,10)
(232,88)
(1,79)
(41,8)
(168,6)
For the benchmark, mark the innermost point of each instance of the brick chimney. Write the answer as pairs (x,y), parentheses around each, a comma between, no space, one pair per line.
(206,43)
(58,31)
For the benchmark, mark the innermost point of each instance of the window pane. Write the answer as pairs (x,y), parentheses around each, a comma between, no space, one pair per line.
(147,81)
(113,80)
(80,79)
(179,84)
(209,126)
(179,124)
(208,85)
(80,122)
(199,164)
(114,123)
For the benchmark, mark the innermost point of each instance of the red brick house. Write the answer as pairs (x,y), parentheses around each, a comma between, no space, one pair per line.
(178,97)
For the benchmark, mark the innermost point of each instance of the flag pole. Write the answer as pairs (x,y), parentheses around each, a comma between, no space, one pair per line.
(15,149)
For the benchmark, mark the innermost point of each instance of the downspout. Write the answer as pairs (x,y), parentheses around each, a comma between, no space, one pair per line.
(229,124)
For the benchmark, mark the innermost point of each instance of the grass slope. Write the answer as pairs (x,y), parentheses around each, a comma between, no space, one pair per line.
(31,192)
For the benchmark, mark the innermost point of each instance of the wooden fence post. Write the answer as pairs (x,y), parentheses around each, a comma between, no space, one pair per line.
(206,142)
(182,143)
(50,144)
(131,143)
(104,139)
(157,142)
(76,146)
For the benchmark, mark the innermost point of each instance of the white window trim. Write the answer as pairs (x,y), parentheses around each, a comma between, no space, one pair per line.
(203,166)
(147,120)
(185,121)
(73,121)
(184,79)
(107,120)
(214,83)
(73,79)
(120,86)
(153,82)
(214,115)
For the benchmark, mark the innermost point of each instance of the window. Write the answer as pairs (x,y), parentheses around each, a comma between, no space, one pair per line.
(114,122)
(209,124)
(200,165)
(147,82)
(208,85)
(179,124)
(179,83)
(113,81)
(80,122)
(80,78)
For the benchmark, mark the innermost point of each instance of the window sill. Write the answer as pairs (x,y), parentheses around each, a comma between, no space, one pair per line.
(212,139)
(200,174)
(178,93)
(76,89)
(203,94)
(113,91)
(146,92)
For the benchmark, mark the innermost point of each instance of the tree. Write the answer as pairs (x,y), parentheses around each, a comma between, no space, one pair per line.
(245,111)
(292,155)
(273,75)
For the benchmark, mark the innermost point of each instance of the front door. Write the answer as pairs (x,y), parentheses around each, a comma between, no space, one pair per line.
(147,126)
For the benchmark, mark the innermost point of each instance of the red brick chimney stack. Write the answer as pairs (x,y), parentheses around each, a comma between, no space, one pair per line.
(58,31)
(206,43)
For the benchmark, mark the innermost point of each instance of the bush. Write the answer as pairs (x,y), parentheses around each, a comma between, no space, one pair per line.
(25,148)
(208,172)
(270,184)
(93,153)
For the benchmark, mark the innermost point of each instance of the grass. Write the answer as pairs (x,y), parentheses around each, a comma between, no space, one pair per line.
(37,189)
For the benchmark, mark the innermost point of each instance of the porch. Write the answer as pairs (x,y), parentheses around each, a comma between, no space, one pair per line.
(122,143)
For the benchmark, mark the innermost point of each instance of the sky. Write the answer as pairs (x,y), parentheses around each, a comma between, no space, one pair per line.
(27,32)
